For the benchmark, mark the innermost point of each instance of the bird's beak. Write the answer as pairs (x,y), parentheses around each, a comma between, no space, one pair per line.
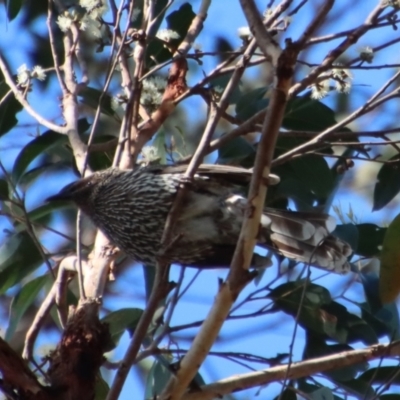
(57,197)
(63,195)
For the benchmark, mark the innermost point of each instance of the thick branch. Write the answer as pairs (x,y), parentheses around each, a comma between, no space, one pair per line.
(239,275)
(297,370)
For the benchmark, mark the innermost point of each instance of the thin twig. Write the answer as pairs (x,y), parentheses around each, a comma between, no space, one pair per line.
(351,38)
(372,103)
(27,107)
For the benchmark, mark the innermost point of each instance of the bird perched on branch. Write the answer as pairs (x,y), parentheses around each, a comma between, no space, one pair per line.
(132,206)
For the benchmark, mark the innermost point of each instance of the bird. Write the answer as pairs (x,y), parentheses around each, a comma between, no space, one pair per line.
(131,208)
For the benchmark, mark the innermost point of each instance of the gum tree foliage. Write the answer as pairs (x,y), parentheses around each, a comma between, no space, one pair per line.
(118,83)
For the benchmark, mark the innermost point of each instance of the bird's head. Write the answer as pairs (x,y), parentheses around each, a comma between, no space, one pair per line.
(84,191)
(74,191)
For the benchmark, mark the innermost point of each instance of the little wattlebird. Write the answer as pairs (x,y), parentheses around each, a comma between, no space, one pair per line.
(132,206)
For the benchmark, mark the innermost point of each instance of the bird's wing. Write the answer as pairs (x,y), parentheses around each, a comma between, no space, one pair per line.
(305,237)
(230,173)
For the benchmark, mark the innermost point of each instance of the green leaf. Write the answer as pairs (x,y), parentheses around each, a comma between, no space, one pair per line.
(348,233)
(287,394)
(381,375)
(41,214)
(160,373)
(99,160)
(91,97)
(223,48)
(8,109)
(295,190)
(159,142)
(4,195)
(354,328)
(157,378)
(219,83)
(120,321)
(33,149)
(101,389)
(316,392)
(388,184)
(376,324)
(236,152)
(157,53)
(370,239)
(179,21)
(22,301)
(319,314)
(322,393)
(23,261)
(250,103)
(149,272)
(315,295)
(43,167)
(389,276)
(160,8)
(384,319)
(315,174)
(303,113)
(288,297)
(315,347)
(358,388)
(8,249)
(13,8)
(286,143)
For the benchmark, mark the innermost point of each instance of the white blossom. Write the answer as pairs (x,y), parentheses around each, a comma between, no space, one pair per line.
(135,14)
(38,73)
(167,34)
(152,91)
(24,75)
(218,89)
(244,32)
(150,153)
(341,73)
(91,26)
(158,81)
(343,86)
(64,22)
(94,8)
(342,79)
(391,3)
(367,54)
(320,89)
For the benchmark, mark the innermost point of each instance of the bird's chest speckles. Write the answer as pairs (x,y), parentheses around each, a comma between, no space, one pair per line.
(136,214)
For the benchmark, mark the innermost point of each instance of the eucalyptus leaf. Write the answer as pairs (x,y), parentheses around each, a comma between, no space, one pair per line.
(388,183)
(9,108)
(305,114)
(22,301)
(33,149)
(119,321)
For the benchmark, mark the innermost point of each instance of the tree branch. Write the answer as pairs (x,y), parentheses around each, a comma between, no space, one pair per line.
(297,370)
(239,276)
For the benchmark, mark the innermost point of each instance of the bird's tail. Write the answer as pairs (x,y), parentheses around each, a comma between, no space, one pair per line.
(305,237)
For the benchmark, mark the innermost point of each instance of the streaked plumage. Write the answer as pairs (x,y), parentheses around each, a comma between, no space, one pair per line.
(131,207)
